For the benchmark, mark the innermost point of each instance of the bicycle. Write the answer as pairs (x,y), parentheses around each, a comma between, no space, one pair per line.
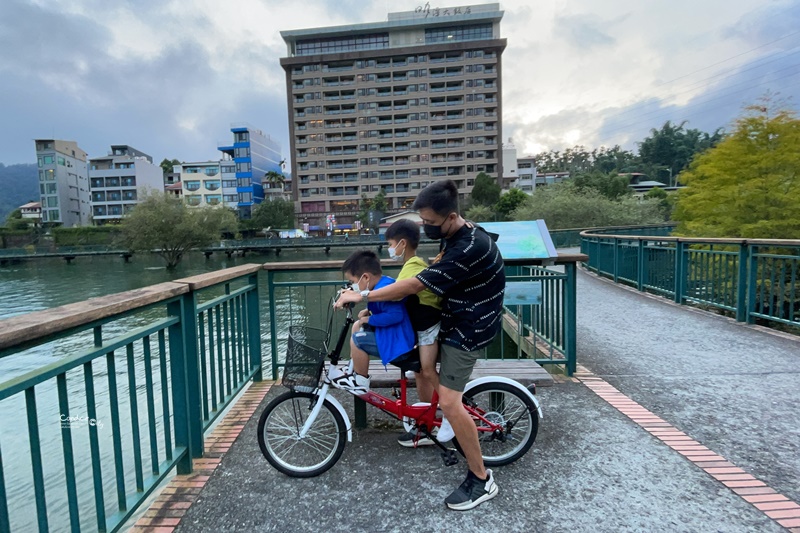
(302,432)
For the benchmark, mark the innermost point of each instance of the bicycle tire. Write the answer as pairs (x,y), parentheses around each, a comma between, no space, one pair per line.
(279,426)
(515,406)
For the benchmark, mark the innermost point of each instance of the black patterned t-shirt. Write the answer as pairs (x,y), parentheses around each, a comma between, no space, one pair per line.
(470,279)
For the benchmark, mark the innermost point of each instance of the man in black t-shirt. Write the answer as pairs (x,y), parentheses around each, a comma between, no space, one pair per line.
(468,275)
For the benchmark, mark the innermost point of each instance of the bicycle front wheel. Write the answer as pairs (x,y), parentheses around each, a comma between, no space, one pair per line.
(279,435)
(509,407)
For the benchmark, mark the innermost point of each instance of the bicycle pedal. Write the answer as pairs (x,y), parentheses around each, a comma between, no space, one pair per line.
(449,457)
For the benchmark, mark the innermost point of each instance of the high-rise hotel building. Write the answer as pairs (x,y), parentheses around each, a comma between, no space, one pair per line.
(393,105)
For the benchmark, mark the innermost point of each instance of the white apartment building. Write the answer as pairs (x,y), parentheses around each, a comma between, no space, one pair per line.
(119,179)
(63,182)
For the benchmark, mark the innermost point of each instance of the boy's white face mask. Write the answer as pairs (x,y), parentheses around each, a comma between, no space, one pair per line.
(393,253)
(356,287)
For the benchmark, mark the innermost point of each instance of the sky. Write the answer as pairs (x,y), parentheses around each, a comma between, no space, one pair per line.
(169,77)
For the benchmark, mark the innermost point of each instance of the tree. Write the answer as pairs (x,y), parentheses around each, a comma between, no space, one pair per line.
(480,213)
(564,205)
(749,184)
(509,202)
(377,206)
(486,191)
(275,180)
(277,213)
(167,166)
(166,225)
(611,185)
(672,148)
(14,221)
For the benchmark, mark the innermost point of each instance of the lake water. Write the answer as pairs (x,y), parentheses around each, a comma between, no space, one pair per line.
(45,283)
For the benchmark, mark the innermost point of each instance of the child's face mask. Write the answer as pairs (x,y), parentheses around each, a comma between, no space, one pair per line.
(393,252)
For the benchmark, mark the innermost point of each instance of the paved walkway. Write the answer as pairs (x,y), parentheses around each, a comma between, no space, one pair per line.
(678,421)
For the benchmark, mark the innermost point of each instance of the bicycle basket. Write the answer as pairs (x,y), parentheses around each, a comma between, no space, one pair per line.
(305,356)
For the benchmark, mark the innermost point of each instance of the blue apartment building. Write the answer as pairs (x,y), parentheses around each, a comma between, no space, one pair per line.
(251,155)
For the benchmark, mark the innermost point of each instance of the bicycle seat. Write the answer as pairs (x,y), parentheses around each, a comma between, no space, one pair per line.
(408,361)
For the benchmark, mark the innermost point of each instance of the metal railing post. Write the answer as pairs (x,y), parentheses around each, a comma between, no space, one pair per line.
(615,251)
(179,385)
(752,276)
(570,319)
(194,391)
(680,249)
(742,283)
(273,322)
(254,328)
(641,270)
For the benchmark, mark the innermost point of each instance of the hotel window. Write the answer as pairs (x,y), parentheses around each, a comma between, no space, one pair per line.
(50,175)
(129,181)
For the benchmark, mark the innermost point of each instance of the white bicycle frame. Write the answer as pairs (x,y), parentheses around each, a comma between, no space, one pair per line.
(322,395)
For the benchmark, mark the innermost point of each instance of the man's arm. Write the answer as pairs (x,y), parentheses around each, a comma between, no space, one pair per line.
(396,291)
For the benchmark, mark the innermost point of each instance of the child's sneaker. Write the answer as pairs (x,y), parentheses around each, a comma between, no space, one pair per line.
(446,432)
(335,372)
(355,383)
(411,439)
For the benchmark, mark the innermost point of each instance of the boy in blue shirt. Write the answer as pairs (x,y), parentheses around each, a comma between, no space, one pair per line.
(389,334)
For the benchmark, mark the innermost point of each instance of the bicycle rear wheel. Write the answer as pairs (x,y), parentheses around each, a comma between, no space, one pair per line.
(503,404)
(279,435)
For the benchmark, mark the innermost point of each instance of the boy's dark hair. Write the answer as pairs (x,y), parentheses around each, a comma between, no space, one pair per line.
(404,229)
(362,261)
(440,196)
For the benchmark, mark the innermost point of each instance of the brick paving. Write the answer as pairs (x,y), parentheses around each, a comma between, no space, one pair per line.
(754,491)
(165,513)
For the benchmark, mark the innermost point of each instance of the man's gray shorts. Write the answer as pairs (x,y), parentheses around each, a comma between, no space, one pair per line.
(456,366)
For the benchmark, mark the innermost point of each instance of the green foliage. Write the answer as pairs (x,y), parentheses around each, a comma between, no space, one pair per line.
(17,223)
(480,213)
(274,213)
(167,165)
(379,204)
(564,205)
(20,185)
(509,202)
(611,185)
(274,181)
(672,148)
(485,191)
(168,226)
(749,184)
(579,160)
(86,235)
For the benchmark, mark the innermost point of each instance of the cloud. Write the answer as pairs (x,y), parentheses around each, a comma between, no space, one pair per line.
(170,76)
(583,31)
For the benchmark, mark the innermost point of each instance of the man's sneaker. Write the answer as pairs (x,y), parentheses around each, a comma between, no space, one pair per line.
(446,432)
(409,440)
(355,383)
(472,492)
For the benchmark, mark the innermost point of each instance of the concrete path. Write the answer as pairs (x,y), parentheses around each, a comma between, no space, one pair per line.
(726,388)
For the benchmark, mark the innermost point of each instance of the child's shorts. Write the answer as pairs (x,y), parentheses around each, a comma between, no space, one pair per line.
(428,336)
(365,340)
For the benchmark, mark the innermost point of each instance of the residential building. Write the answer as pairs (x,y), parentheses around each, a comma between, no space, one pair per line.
(243,166)
(510,173)
(200,184)
(32,211)
(63,182)
(393,105)
(119,179)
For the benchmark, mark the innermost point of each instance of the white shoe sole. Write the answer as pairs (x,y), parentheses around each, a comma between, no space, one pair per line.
(466,506)
(424,441)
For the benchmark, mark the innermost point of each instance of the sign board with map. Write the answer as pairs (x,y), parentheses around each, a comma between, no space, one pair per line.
(528,239)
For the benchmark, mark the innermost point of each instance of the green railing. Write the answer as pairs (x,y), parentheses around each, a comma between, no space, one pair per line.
(571,238)
(752,280)
(299,293)
(157,365)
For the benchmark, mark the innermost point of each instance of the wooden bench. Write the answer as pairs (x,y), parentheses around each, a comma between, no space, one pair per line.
(525,371)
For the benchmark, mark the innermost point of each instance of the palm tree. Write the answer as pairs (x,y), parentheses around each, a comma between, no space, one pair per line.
(275,180)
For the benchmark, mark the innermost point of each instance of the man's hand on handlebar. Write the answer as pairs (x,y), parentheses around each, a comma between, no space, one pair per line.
(346,297)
